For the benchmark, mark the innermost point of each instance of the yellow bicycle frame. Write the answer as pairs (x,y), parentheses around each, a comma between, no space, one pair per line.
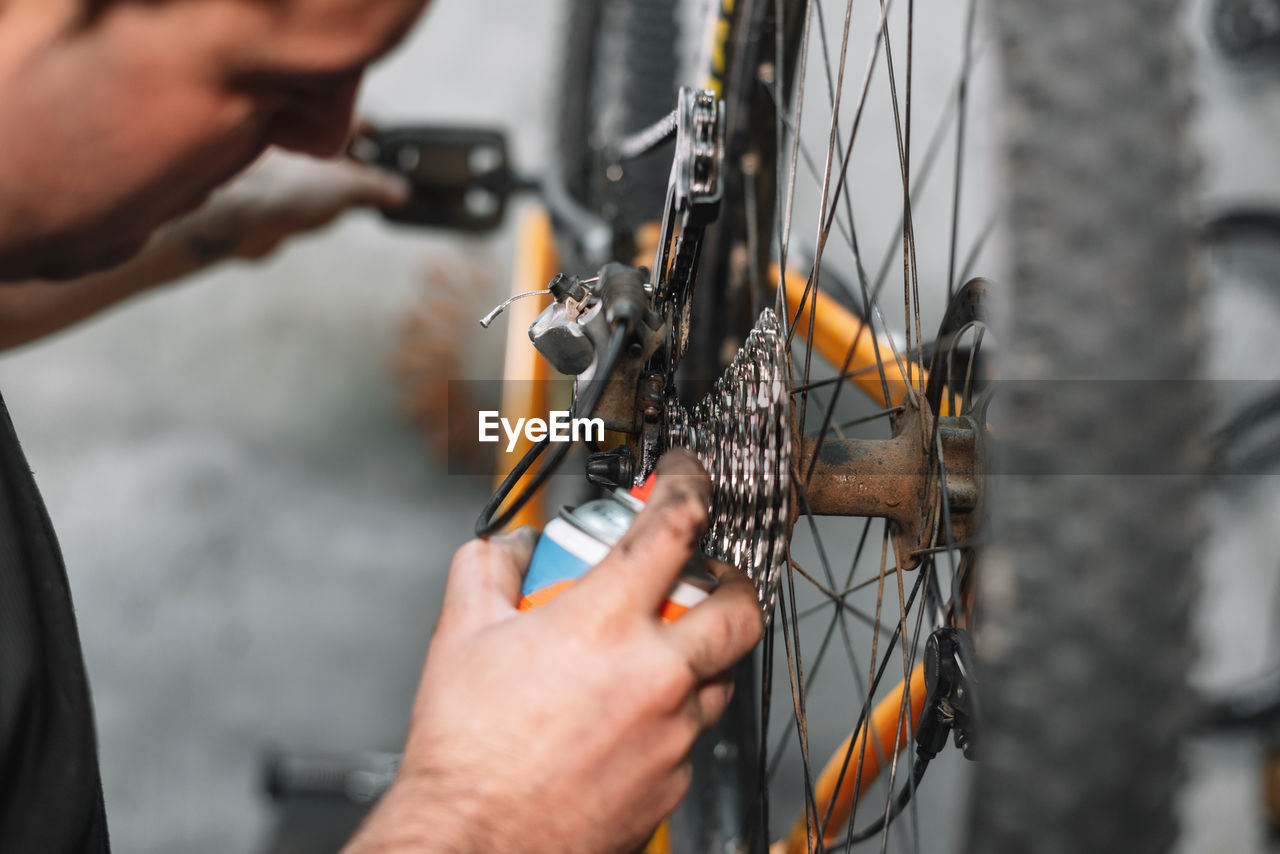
(526,374)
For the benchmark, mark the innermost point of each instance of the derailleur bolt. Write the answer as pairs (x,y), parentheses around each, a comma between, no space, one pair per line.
(653,398)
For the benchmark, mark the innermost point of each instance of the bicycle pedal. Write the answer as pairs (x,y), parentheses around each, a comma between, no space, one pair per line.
(461,177)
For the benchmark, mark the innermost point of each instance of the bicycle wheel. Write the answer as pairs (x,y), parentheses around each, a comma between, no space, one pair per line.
(618,77)
(1075,563)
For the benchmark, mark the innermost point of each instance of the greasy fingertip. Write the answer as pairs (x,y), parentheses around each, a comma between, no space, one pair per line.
(678,461)
(519,542)
(527,533)
(682,480)
(713,698)
(723,572)
(391,191)
(374,186)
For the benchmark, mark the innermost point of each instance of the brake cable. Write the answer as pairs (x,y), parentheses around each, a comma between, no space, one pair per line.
(584,406)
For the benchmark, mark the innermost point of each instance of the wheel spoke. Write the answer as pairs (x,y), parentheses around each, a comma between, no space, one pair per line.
(832,147)
(839,601)
(962,114)
(826,640)
(780,109)
(898,644)
(979,244)
(795,672)
(878,675)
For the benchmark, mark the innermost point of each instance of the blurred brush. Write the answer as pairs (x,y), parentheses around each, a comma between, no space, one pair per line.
(433,355)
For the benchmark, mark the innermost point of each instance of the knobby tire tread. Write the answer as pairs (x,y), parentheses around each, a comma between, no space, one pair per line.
(618,77)
(1086,598)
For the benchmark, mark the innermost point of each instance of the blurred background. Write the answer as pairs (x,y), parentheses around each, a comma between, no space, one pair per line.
(257,542)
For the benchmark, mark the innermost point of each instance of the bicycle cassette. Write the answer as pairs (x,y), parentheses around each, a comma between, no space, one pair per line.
(741,433)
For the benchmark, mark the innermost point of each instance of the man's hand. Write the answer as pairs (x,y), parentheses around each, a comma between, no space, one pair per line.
(283,195)
(280,196)
(567,729)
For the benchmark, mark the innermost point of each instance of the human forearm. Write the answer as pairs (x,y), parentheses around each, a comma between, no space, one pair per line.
(416,816)
(282,196)
(34,310)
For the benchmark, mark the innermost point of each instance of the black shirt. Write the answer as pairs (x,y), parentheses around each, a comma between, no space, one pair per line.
(50,788)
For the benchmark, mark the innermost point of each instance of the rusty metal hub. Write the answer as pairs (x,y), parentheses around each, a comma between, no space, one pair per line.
(903,479)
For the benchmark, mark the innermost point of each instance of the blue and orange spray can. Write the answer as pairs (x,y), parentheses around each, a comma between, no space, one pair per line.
(579,538)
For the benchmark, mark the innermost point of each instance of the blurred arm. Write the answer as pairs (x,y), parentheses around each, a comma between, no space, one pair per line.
(281,196)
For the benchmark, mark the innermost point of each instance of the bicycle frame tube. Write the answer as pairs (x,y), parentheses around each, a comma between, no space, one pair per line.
(714,59)
(526,374)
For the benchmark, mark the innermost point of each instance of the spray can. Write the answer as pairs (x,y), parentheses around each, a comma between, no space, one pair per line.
(579,538)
